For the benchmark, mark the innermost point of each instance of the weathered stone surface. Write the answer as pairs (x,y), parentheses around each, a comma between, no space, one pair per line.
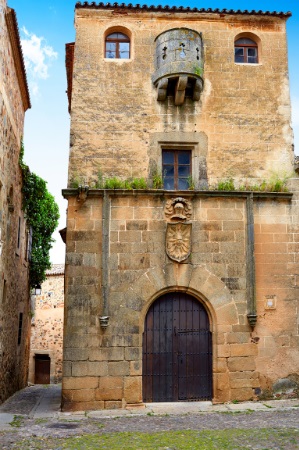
(47,326)
(236,364)
(242,394)
(243,349)
(133,389)
(133,353)
(81,395)
(80,383)
(125,234)
(118,368)
(14,265)
(113,405)
(110,388)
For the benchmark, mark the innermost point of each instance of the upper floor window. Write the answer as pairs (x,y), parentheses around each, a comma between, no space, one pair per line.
(176,169)
(117,45)
(246,51)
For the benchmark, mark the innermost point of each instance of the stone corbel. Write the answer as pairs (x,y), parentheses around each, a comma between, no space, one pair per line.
(180,90)
(82,193)
(198,87)
(162,89)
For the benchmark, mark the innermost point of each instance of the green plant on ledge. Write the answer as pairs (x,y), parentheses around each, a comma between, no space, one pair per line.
(276,183)
(76,181)
(139,183)
(113,183)
(191,184)
(157,180)
(226,185)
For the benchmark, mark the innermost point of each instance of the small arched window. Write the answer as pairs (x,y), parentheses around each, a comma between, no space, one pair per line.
(117,45)
(246,51)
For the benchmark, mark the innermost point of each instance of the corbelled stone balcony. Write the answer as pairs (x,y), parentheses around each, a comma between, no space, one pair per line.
(179,65)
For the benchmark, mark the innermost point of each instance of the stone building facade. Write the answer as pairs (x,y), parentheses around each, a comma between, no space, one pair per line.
(45,365)
(14,286)
(186,290)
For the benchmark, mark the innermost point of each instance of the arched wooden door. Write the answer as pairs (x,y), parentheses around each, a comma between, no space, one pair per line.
(177,350)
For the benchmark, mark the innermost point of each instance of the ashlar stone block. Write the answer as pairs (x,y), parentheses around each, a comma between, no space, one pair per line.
(133,389)
(239,364)
(110,388)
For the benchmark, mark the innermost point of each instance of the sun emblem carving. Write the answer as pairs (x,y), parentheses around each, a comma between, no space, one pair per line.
(178,241)
(178,233)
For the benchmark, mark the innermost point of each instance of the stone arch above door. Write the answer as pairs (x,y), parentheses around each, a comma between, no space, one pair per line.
(195,280)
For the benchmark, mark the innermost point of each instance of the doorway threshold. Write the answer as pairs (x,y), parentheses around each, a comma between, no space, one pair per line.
(178,407)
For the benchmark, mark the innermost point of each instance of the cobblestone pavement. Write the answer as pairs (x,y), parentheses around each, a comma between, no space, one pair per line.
(34,412)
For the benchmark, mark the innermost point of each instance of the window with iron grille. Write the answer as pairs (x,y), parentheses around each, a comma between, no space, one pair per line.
(28,245)
(117,45)
(19,233)
(20,328)
(176,169)
(246,51)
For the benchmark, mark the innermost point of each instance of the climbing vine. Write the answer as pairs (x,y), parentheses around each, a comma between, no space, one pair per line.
(42,216)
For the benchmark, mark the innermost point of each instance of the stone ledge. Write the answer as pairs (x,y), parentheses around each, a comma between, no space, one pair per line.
(73,192)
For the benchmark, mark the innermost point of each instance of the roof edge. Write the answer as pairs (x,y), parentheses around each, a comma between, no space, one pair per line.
(55,269)
(179,9)
(14,36)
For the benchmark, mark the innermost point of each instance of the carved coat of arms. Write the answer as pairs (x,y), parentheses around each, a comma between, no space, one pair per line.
(178,233)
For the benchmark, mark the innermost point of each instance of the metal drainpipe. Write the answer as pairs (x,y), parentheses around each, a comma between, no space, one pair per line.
(104,318)
(250,272)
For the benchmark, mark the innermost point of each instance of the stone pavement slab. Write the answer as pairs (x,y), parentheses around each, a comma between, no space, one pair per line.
(41,402)
(48,404)
(40,420)
(5,420)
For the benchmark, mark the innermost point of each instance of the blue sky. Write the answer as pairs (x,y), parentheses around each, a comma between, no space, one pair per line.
(45,27)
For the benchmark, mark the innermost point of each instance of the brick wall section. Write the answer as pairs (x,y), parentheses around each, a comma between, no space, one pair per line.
(14,289)
(47,325)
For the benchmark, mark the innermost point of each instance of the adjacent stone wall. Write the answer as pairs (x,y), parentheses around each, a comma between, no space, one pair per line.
(47,323)
(276,250)
(14,289)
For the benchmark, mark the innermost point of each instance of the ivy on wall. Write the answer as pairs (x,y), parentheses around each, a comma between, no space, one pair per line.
(42,214)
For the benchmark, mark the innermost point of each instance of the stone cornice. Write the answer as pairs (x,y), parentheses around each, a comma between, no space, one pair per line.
(13,32)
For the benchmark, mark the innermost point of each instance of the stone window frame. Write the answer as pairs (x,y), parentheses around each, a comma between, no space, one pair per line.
(195,142)
(253,37)
(125,31)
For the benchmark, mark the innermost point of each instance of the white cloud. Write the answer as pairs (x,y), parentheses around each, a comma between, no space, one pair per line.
(37,56)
